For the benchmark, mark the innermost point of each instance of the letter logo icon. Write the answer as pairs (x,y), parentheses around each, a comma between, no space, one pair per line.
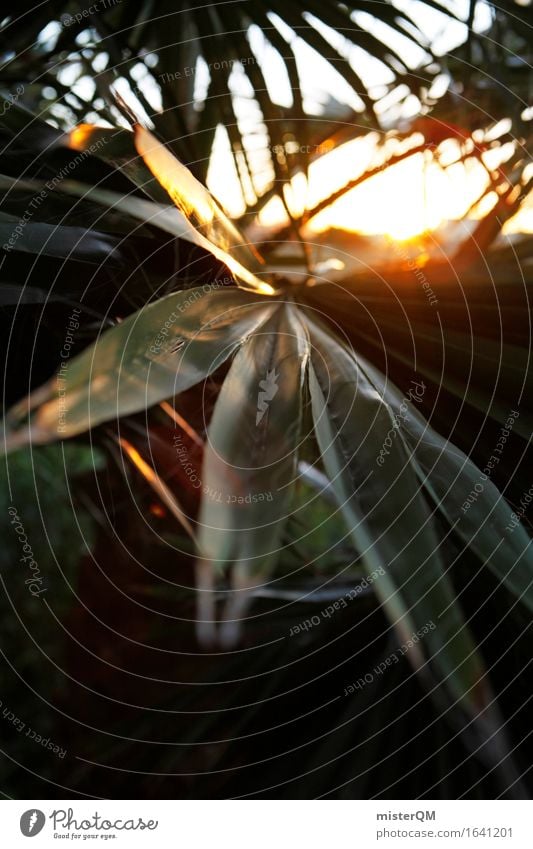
(269,389)
(32,822)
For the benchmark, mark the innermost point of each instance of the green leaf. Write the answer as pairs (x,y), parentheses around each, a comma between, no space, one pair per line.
(389,521)
(119,214)
(154,354)
(250,461)
(142,158)
(464,494)
(31,480)
(483,372)
(54,240)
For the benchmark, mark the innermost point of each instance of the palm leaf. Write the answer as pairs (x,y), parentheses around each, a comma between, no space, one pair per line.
(487,525)
(391,526)
(155,353)
(220,38)
(387,515)
(60,241)
(155,170)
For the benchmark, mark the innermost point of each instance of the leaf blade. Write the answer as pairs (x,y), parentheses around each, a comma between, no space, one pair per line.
(390,524)
(154,169)
(450,477)
(132,366)
(249,470)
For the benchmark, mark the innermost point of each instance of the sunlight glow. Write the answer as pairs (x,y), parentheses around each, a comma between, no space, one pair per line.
(407,199)
(415,196)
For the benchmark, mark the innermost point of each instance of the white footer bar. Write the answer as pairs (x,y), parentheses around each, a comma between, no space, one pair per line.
(268,824)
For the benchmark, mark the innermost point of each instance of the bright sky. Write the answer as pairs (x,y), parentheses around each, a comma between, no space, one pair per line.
(404,200)
(412,196)
(320,79)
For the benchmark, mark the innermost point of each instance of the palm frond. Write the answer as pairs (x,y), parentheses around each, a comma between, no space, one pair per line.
(206,65)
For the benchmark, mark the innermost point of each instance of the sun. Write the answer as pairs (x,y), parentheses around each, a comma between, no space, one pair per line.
(403,201)
(409,199)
